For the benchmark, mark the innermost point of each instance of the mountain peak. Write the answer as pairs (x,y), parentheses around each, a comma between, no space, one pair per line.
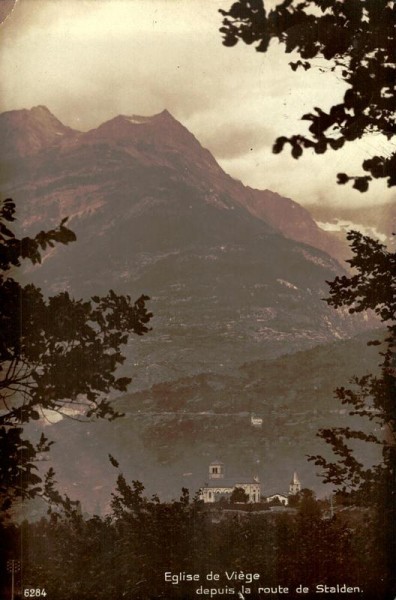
(164,114)
(41,108)
(28,131)
(150,135)
(26,116)
(162,117)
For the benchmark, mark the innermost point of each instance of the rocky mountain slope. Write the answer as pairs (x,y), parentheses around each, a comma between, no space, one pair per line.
(155,213)
(26,132)
(295,222)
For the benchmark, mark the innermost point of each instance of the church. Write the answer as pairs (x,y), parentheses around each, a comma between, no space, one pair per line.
(219,487)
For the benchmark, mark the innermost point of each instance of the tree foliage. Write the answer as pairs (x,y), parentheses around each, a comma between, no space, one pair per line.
(357,37)
(57,355)
(371,397)
(239,495)
(127,553)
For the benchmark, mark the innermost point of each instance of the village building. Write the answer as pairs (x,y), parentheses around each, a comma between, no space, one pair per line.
(278,498)
(257,422)
(218,486)
(283,499)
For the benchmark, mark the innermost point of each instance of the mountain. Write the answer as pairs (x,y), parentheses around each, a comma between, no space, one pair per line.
(173,430)
(26,132)
(155,213)
(295,222)
(377,221)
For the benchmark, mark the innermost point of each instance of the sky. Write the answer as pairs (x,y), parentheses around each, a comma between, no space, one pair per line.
(90,60)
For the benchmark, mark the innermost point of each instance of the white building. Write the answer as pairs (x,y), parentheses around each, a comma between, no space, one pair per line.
(219,487)
(294,488)
(256,421)
(280,498)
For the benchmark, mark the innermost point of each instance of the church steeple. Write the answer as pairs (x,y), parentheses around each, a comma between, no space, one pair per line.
(216,470)
(295,485)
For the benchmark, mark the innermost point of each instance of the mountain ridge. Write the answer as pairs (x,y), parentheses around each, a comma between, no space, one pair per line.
(147,136)
(32,131)
(210,414)
(155,213)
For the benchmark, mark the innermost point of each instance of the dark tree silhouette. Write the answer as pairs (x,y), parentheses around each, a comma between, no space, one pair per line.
(123,554)
(358,39)
(371,397)
(239,495)
(57,354)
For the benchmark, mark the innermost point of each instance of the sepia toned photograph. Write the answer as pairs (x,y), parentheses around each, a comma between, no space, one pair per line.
(197,309)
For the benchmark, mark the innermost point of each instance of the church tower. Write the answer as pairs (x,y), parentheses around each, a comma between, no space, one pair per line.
(216,470)
(295,485)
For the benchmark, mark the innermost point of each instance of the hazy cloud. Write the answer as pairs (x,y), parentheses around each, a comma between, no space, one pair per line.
(89,60)
(233,140)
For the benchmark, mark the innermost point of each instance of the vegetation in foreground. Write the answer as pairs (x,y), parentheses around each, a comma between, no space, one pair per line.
(134,551)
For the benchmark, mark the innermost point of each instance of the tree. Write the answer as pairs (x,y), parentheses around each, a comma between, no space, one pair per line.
(357,38)
(239,496)
(72,555)
(371,397)
(56,355)
(308,507)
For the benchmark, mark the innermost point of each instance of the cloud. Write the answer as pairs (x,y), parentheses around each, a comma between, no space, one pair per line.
(137,56)
(311,179)
(89,61)
(232,140)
